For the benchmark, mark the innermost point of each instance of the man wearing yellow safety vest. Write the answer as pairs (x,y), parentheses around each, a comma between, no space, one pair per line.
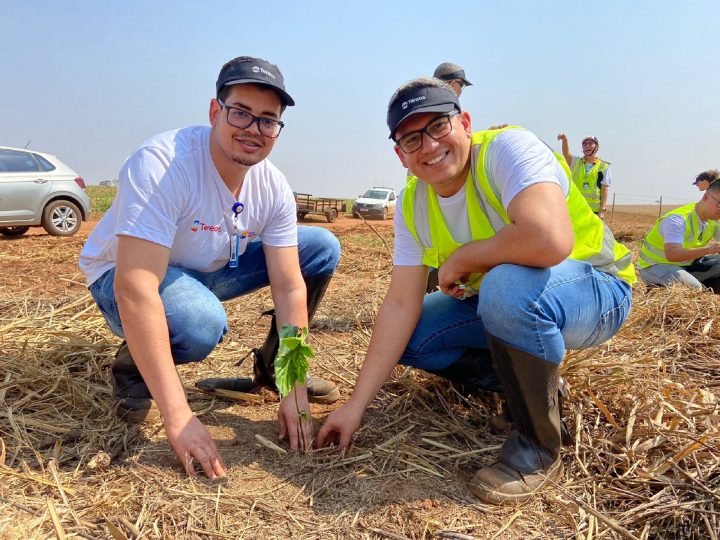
(590,173)
(683,244)
(526,271)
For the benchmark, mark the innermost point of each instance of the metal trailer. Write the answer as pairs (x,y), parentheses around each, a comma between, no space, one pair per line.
(330,208)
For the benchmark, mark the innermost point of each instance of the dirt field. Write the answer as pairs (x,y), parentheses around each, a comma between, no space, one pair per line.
(643,412)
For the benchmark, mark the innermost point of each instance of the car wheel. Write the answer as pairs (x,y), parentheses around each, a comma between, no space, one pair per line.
(385,213)
(13,232)
(61,218)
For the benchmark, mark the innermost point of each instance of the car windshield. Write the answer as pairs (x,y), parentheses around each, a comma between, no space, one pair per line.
(375,194)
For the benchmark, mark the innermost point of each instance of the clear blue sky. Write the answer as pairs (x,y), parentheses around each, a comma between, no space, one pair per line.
(90,80)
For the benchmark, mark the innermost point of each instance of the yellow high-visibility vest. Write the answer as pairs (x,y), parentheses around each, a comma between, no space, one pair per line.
(653,248)
(594,242)
(587,183)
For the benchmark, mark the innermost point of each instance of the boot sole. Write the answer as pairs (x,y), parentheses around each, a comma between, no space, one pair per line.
(491,495)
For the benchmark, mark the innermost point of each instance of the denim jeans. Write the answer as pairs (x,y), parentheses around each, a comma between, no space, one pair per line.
(542,311)
(193,300)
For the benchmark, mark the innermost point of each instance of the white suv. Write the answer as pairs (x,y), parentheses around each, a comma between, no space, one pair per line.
(376,202)
(39,190)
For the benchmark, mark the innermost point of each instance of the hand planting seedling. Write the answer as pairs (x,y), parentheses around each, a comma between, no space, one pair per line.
(291,366)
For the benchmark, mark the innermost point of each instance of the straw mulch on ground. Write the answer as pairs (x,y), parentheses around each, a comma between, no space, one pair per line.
(643,413)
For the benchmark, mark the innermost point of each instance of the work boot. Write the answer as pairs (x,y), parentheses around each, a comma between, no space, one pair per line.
(472,372)
(530,456)
(134,402)
(318,390)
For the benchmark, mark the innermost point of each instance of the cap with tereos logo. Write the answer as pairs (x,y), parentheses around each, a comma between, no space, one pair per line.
(254,71)
(420,100)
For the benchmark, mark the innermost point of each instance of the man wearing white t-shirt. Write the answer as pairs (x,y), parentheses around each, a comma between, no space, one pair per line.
(683,245)
(200,217)
(495,212)
(590,173)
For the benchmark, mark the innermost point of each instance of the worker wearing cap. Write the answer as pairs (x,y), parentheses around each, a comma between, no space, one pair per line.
(683,245)
(590,173)
(452,74)
(200,217)
(526,271)
(705,178)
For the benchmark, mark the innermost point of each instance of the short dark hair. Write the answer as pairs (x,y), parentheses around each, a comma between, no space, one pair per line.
(711,175)
(224,92)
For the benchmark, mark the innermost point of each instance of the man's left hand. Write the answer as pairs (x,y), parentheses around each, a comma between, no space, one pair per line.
(296,424)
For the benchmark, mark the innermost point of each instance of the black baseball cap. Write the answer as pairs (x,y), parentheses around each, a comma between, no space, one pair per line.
(249,70)
(447,71)
(420,99)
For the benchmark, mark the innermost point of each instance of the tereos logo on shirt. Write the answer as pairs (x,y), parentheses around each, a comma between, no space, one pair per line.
(203,227)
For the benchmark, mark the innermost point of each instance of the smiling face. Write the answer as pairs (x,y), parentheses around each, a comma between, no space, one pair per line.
(441,163)
(231,146)
(589,147)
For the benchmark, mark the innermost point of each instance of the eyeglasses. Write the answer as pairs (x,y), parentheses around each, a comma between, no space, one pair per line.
(242,119)
(717,201)
(436,129)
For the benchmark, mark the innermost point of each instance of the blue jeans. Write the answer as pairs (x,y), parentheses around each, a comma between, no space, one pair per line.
(542,311)
(193,300)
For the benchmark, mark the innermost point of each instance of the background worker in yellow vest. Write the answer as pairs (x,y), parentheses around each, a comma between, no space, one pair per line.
(526,271)
(683,244)
(590,173)
(705,178)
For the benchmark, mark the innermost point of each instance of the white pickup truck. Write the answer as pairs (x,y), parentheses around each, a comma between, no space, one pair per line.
(376,202)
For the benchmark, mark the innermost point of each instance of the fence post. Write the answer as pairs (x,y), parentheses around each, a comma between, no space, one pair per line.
(612,210)
(660,213)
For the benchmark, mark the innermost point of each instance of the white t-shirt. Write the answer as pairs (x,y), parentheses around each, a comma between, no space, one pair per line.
(607,178)
(672,229)
(170,193)
(515,160)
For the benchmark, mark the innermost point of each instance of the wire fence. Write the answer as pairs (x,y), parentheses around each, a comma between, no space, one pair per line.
(647,204)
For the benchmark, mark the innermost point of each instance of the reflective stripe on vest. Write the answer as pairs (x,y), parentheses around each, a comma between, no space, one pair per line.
(594,241)
(653,248)
(587,183)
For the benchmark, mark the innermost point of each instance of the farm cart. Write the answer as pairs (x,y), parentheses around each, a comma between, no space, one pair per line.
(307,204)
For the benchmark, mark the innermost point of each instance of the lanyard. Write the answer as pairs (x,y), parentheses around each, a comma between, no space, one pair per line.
(237,209)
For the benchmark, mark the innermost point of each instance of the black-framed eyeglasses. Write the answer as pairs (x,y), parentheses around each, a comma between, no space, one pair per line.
(242,119)
(437,128)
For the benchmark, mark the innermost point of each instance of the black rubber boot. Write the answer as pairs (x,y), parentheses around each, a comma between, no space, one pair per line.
(319,390)
(472,372)
(530,456)
(134,402)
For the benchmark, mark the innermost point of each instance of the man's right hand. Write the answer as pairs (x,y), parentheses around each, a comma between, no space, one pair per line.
(193,443)
(713,247)
(340,426)
(561,137)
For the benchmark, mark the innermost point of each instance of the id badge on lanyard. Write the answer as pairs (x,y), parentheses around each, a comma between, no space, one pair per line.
(237,208)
